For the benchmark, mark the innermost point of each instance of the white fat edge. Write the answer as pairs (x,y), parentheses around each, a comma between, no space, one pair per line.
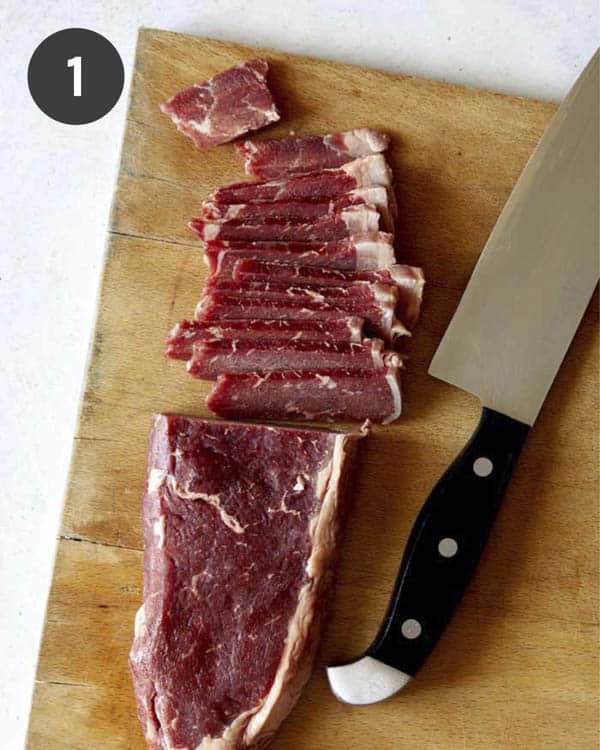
(139,623)
(383,294)
(377,346)
(158,527)
(364,141)
(211,230)
(232,735)
(360,219)
(233,211)
(373,255)
(369,170)
(214,500)
(156,477)
(326,380)
(393,381)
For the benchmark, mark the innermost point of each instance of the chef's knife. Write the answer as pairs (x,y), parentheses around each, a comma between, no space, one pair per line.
(505,343)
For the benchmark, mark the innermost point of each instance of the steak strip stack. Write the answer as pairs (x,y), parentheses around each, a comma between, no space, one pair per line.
(304,305)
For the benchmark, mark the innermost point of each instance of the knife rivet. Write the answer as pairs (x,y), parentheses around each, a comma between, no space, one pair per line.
(411,629)
(483,467)
(447,547)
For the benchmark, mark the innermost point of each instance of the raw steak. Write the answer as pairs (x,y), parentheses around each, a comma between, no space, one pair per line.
(344,223)
(211,358)
(367,251)
(267,290)
(226,106)
(301,212)
(408,280)
(185,334)
(307,153)
(378,315)
(315,186)
(328,395)
(240,526)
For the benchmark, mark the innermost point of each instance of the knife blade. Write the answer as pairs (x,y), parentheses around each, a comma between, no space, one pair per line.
(504,344)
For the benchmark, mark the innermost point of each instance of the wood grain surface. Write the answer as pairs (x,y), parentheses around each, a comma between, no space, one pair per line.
(517,668)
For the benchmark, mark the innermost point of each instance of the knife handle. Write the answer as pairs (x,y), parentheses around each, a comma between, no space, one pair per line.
(446,542)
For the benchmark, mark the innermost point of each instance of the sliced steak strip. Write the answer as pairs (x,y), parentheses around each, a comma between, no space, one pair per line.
(307,153)
(327,395)
(315,186)
(226,106)
(301,212)
(211,358)
(379,316)
(344,223)
(240,527)
(409,280)
(185,334)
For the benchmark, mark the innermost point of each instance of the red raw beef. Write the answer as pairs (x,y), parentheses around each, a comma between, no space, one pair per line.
(344,223)
(315,186)
(408,280)
(300,212)
(211,358)
(307,153)
(368,251)
(378,314)
(241,522)
(226,106)
(386,294)
(327,395)
(185,334)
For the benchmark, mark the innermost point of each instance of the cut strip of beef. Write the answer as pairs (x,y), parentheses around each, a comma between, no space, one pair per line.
(226,106)
(327,395)
(344,223)
(275,158)
(267,290)
(408,280)
(368,251)
(185,334)
(211,358)
(315,186)
(301,212)
(378,315)
(241,522)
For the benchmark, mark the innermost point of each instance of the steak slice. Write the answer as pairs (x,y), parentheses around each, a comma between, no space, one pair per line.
(185,334)
(302,212)
(226,106)
(306,153)
(211,358)
(325,395)
(379,315)
(367,251)
(408,280)
(240,526)
(344,223)
(315,186)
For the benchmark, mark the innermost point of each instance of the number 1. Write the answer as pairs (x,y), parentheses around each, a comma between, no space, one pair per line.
(75,63)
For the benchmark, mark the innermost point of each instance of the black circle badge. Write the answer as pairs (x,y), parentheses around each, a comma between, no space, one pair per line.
(75,76)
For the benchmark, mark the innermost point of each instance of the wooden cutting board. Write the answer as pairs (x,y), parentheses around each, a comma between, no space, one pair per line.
(517,667)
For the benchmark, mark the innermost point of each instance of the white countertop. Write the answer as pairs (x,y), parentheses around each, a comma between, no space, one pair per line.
(56,183)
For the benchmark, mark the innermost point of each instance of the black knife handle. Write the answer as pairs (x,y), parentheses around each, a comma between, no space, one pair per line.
(446,542)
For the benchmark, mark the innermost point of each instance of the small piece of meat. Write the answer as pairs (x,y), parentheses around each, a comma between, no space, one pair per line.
(241,522)
(302,212)
(379,316)
(185,334)
(211,358)
(328,395)
(226,106)
(314,186)
(267,160)
(274,290)
(344,223)
(408,280)
(368,252)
